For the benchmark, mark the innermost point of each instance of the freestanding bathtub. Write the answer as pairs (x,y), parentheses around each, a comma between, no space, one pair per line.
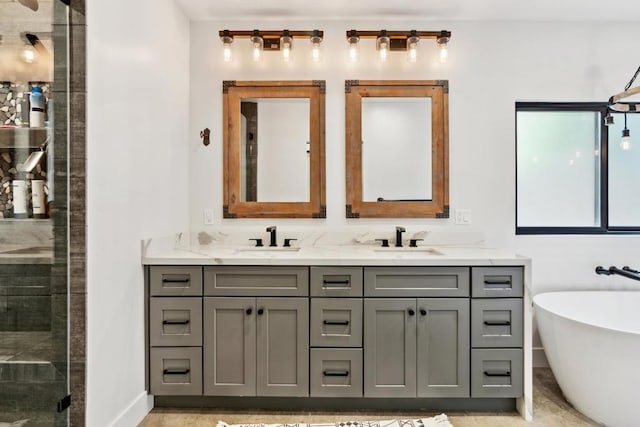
(592,342)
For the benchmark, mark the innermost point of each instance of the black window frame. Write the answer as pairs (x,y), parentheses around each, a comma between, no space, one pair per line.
(603,228)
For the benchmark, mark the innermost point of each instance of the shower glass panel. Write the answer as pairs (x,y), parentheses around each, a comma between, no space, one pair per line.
(34,91)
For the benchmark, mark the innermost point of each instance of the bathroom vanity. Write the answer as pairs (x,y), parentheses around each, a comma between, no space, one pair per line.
(418,327)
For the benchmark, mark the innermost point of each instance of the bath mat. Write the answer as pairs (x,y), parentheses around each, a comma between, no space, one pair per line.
(437,421)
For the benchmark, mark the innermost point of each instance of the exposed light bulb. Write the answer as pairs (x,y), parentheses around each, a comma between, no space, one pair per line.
(625,144)
(285,45)
(382,44)
(444,53)
(412,46)
(316,39)
(28,55)
(257,42)
(353,45)
(315,52)
(227,52)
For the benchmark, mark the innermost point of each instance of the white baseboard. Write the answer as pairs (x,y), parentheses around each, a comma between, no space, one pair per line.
(539,358)
(133,415)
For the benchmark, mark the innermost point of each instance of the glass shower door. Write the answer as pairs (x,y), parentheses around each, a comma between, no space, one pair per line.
(34,386)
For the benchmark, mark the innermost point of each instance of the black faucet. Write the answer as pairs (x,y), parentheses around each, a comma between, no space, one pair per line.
(399,231)
(272,230)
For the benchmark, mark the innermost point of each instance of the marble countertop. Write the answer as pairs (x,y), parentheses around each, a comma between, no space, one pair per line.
(353,251)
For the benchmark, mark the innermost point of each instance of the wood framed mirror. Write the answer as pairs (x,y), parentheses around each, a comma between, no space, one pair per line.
(397,149)
(273,143)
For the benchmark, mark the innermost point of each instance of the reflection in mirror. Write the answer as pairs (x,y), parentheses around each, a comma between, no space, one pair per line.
(274,148)
(396,126)
(397,149)
(273,137)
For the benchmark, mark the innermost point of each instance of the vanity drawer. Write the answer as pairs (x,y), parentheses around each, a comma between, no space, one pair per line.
(496,322)
(497,282)
(175,280)
(256,281)
(336,372)
(336,322)
(176,371)
(336,281)
(496,373)
(416,281)
(175,322)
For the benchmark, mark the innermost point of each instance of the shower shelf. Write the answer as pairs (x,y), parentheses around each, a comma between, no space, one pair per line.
(22,137)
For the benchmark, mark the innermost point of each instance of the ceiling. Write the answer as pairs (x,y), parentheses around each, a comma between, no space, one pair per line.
(423,10)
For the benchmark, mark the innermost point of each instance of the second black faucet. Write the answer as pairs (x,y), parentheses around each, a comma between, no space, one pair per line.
(273,240)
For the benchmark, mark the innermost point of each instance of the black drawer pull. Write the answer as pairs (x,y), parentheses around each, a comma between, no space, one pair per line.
(497,373)
(176,371)
(335,282)
(497,283)
(335,322)
(411,312)
(176,322)
(497,322)
(187,280)
(335,373)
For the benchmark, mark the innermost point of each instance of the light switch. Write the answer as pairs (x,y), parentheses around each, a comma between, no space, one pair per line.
(463,216)
(207,216)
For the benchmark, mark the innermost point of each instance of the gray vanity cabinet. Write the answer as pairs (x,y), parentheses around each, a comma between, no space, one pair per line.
(256,346)
(416,347)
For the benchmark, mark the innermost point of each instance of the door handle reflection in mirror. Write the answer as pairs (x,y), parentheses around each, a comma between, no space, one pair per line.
(497,373)
(176,371)
(176,322)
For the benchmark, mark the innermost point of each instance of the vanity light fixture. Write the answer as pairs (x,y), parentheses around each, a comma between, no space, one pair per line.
(407,41)
(353,39)
(226,42)
(271,41)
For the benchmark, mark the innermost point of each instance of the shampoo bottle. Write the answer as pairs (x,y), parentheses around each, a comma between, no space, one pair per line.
(38,103)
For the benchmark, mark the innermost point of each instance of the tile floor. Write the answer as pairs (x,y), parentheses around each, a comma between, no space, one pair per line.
(550,410)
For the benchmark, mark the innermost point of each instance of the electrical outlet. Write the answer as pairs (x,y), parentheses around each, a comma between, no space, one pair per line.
(207,215)
(463,216)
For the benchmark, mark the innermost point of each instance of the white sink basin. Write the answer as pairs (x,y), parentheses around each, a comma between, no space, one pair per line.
(269,250)
(407,250)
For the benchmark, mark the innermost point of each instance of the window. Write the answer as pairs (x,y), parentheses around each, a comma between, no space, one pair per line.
(574,175)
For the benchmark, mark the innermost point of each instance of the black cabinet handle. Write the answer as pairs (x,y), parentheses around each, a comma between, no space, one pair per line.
(497,373)
(335,282)
(176,322)
(335,373)
(411,312)
(260,311)
(187,280)
(423,311)
(335,322)
(498,283)
(497,322)
(176,371)
(249,311)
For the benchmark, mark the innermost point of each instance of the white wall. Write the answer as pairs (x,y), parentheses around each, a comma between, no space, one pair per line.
(491,66)
(138,56)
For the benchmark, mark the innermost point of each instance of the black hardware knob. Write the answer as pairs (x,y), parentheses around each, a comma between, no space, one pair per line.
(385,242)
(258,242)
(413,243)
(260,311)
(287,242)
(249,311)
(423,312)
(411,312)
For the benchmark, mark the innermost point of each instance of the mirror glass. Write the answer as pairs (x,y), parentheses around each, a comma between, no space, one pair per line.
(273,155)
(396,149)
(274,149)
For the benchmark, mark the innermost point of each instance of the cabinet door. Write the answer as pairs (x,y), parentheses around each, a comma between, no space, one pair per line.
(443,347)
(390,347)
(229,346)
(283,346)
